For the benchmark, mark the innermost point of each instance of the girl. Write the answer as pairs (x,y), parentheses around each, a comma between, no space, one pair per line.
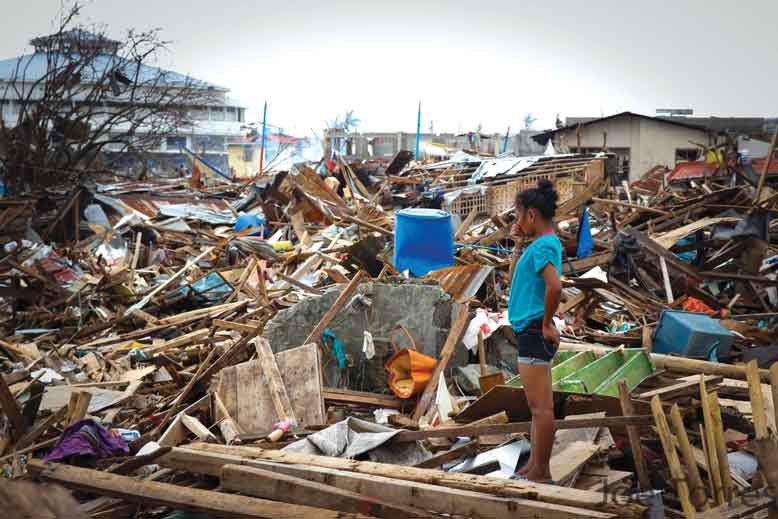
(534,299)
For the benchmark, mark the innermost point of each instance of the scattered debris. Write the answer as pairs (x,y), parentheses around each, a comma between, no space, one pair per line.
(270,335)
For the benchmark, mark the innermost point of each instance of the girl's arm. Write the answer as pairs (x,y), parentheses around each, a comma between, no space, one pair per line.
(551,302)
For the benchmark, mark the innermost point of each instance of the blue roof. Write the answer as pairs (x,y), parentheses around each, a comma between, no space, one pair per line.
(32,67)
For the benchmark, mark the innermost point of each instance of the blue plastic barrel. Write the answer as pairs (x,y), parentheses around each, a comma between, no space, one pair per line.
(423,240)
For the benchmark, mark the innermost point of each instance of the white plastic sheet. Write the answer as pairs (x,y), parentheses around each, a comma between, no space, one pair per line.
(485,322)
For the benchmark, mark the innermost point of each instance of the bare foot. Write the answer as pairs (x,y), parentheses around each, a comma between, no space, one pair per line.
(538,476)
(526,468)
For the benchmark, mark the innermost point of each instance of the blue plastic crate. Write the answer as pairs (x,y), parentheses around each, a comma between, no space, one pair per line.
(691,334)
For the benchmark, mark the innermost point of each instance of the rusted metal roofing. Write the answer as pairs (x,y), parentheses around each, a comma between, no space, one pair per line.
(694,170)
(758,165)
(651,181)
(461,282)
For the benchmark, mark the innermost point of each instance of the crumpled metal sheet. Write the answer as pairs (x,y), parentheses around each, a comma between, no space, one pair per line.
(501,166)
(193,212)
(353,437)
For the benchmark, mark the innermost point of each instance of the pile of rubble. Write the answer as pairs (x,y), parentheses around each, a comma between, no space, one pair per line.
(268,349)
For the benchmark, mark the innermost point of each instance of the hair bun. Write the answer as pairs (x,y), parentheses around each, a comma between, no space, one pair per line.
(546,188)
(545,185)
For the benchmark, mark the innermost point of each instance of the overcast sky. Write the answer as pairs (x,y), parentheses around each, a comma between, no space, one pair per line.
(488,62)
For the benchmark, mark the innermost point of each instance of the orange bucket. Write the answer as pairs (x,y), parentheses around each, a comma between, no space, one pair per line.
(409,371)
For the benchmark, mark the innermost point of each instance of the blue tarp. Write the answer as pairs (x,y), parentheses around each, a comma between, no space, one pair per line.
(249,220)
(585,242)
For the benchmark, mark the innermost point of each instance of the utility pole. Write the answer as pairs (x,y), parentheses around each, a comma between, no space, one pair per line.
(418,131)
(262,145)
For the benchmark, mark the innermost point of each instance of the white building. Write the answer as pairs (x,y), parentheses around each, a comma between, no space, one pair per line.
(639,142)
(215,121)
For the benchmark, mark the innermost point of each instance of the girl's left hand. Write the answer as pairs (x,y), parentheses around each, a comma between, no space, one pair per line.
(551,334)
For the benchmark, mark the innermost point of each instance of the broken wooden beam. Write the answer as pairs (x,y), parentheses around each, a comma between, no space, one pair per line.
(633,434)
(177,497)
(468,449)
(275,383)
(663,428)
(477,505)
(11,408)
(521,427)
(337,306)
(446,352)
(259,482)
(347,396)
(210,458)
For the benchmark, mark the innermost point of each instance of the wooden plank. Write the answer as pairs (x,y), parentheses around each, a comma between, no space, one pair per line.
(765,170)
(197,427)
(774,392)
(685,388)
(606,201)
(572,302)
(209,458)
(175,434)
(347,396)
(33,434)
(569,457)
(227,426)
(633,435)
(230,325)
(446,352)
(466,223)
(162,286)
(444,500)
(767,454)
(757,400)
(133,463)
(746,506)
(696,487)
(720,445)
(299,284)
(714,472)
(11,409)
(259,482)
(366,225)
(80,409)
(585,264)
(246,397)
(666,280)
(663,428)
(467,449)
(179,498)
(745,405)
(274,381)
(253,413)
(523,427)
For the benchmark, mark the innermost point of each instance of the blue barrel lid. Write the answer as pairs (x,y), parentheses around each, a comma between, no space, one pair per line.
(422,213)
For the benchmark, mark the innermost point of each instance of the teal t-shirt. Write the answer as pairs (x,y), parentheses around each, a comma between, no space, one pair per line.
(528,289)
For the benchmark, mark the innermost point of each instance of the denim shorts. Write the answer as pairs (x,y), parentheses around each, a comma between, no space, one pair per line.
(533,348)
